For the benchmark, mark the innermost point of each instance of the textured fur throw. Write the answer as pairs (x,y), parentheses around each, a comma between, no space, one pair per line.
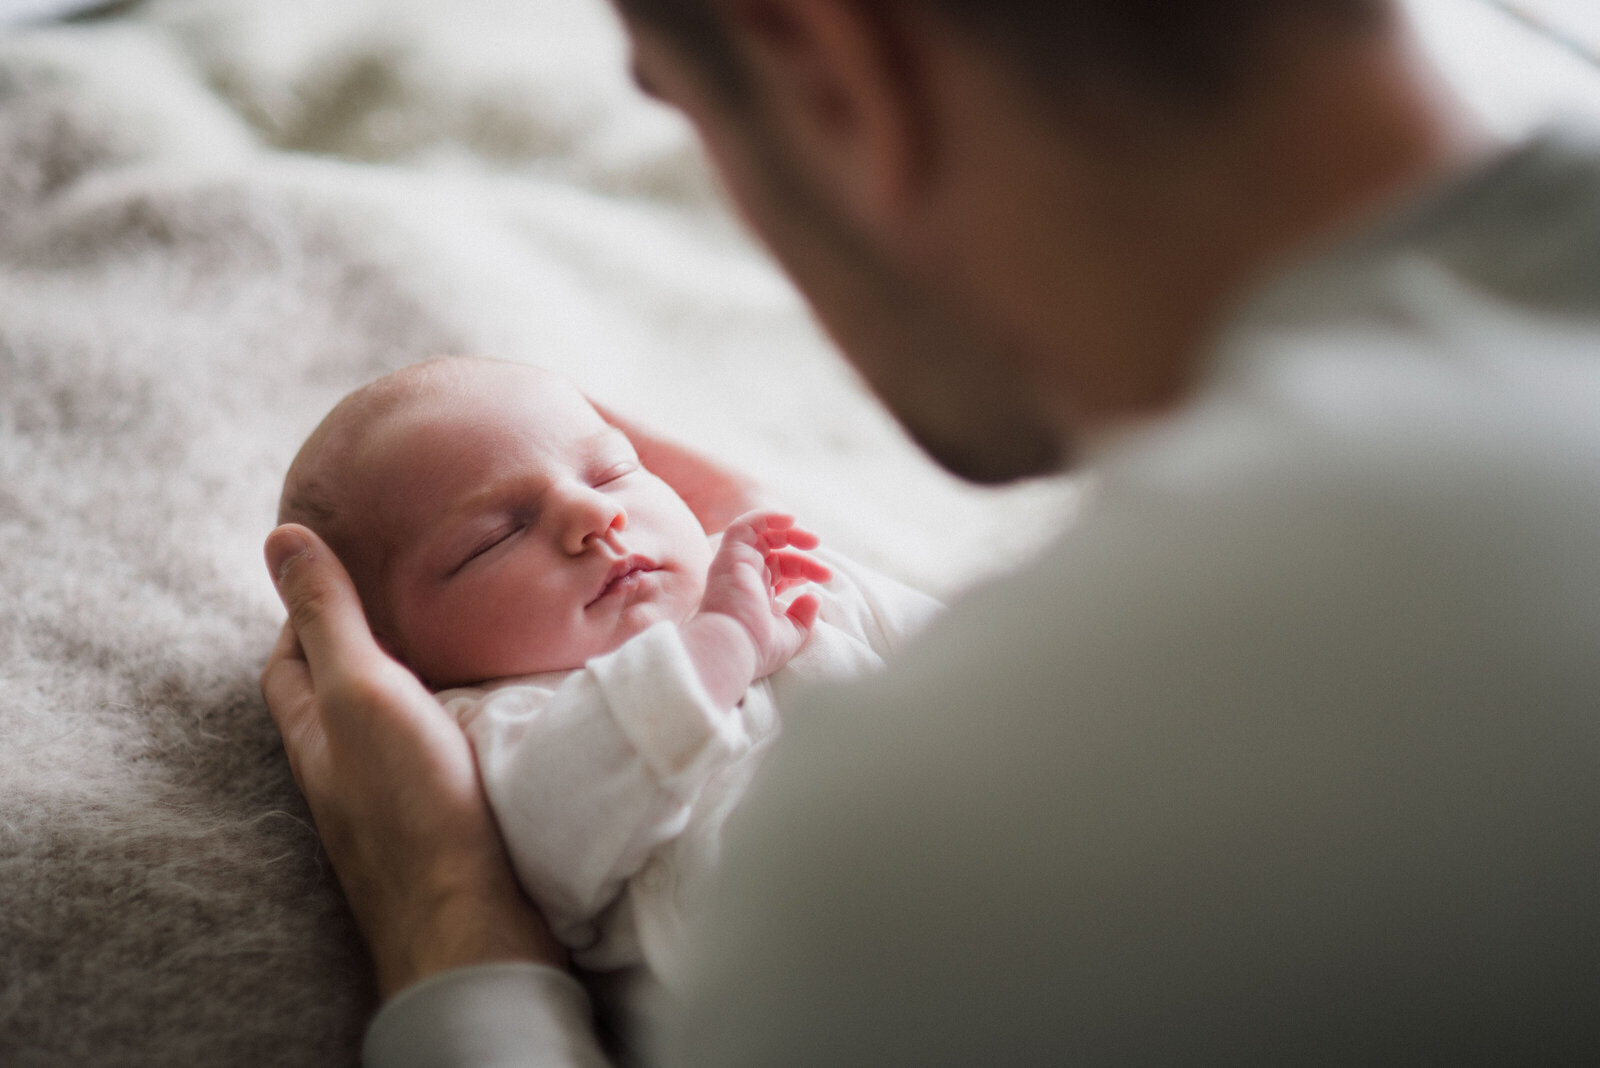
(216,218)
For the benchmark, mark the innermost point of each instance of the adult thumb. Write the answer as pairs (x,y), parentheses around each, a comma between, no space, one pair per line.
(323,606)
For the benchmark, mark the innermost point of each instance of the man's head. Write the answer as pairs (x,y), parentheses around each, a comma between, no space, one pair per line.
(1022,219)
(493,523)
(1191,48)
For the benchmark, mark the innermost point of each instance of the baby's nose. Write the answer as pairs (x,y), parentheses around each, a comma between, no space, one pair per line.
(595,517)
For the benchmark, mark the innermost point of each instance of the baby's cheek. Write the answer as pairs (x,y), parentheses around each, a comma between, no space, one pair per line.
(479,641)
(516,632)
(684,596)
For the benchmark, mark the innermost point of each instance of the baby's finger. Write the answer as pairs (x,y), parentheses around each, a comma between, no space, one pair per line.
(804,610)
(788,535)
(782,586)
(757,529)
(801,539)
(796,566)
(779,529)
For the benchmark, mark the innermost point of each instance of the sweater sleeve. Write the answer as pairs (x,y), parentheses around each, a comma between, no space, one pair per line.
(587,779)
(509,1015)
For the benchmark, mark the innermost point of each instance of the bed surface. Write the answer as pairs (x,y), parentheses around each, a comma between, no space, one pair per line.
(215,219)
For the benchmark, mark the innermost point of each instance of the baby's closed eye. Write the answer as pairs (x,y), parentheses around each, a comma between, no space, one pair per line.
(614,472)
(491,540)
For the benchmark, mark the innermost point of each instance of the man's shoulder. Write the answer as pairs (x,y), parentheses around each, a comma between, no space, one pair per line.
(1299,716)
(1448,425)
(1341,526)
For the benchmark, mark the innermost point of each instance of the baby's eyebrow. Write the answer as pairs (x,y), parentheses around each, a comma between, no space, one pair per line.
(496,493)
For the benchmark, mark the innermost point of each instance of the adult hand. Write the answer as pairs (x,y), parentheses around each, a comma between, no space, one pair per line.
(391,783)
(717,495)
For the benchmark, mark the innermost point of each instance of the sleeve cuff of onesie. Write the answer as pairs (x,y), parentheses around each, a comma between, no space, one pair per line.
(504,1015)
(660,705)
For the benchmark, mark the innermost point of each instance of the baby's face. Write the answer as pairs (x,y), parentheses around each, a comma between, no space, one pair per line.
(523,534)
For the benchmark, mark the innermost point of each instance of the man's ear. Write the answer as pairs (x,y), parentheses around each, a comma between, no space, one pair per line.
(839,81)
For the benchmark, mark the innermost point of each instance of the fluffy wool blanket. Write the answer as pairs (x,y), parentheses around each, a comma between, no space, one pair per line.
(215,219)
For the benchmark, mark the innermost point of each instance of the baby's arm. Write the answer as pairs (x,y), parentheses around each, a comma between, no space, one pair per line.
(742,632)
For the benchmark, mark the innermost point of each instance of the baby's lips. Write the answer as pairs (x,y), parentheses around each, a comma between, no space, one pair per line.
(621,569)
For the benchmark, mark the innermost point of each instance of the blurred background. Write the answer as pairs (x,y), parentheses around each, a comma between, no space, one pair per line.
(1518,62)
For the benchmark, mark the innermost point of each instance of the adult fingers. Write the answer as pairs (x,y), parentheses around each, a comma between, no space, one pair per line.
(323,606)
(291,698)
(282,676)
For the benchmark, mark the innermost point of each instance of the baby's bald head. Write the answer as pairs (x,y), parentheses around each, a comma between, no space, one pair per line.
(328,488)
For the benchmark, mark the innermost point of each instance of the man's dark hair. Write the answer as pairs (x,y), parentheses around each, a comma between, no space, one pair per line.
(1177,47)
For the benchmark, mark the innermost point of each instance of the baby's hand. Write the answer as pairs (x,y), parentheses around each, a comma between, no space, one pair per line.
(763,555)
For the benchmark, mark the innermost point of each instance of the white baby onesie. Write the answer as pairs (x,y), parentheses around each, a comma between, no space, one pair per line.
(611,783)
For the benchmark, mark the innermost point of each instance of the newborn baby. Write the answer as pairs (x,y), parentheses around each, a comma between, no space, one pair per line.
(617,671)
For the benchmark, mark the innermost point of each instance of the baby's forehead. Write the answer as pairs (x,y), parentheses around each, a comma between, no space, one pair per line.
(427,398)
(453,417)
(472,420)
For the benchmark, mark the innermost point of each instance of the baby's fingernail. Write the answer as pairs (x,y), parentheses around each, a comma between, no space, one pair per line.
(284,547)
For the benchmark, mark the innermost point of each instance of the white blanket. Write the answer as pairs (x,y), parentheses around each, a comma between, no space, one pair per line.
(216,218)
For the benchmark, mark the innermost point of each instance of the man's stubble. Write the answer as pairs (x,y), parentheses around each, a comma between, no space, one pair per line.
(958,388)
